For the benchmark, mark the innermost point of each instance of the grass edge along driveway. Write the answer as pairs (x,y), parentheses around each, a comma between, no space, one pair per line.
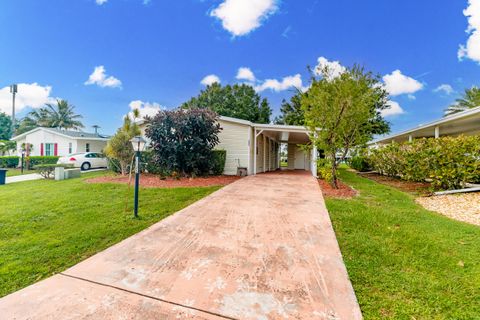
(47,226)
(406,262)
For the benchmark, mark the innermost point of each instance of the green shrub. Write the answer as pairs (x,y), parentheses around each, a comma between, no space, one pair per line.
(9,162)
(37,160)
(114,165)
(324,170)
(218,161)
(47,170)
(449,162)
(360,163)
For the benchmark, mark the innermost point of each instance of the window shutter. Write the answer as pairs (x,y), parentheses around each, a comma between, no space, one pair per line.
(55,149)
(41,149)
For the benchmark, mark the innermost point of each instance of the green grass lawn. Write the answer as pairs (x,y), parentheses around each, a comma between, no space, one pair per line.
(48,226)
(17,172)
(406,262)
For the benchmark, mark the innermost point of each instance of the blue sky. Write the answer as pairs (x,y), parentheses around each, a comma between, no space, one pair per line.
(153,54)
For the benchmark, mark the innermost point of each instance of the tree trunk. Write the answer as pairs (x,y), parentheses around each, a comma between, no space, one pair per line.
(334,172)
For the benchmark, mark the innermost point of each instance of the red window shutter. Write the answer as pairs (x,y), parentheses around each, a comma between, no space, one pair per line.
(41,149)
(55,149)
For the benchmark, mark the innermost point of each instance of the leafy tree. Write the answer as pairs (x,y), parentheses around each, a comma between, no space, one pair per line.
(343,112)
(119,146)
(292,113)
(183,140)
(237,101)
(469,100)
(5,126)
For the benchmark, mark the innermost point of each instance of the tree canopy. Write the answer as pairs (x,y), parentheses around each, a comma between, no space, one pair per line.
(5,126)
(291,111)
(237,101)
(344,111)
(470,99)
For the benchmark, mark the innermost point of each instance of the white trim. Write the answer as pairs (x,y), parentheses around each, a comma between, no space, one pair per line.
(16,138)
(453,117)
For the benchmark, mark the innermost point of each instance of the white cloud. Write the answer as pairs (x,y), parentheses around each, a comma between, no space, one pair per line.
(393,110)
(100,2)
(30,95)
(245,74)
(445,88)
(285,84)
(240,17)
(100,78)
(210,79)
(396,84)
(472,49)
(146,108)
(334,68)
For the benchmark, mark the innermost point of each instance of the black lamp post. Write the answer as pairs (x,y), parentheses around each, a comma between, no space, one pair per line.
(138,144)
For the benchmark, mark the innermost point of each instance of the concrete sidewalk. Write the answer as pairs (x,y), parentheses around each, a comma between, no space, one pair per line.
(260,248)
(36,176)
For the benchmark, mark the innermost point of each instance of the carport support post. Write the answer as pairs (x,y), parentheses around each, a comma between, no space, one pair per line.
(255,149)
(437,132)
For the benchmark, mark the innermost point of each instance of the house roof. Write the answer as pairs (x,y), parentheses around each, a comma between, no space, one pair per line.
(77,135)
(465,122)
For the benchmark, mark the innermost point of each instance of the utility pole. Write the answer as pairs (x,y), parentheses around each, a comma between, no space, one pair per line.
(13,91)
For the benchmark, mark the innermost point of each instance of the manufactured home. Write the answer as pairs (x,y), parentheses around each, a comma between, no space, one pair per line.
(255,147)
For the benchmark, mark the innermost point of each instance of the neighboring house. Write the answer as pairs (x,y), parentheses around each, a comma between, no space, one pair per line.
(462,123)
(56,142)
(256,147)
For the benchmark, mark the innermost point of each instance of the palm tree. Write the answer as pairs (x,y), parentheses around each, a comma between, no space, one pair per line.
(62,116)
(469,100)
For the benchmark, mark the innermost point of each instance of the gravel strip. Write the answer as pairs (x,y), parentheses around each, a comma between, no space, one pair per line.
(463,207)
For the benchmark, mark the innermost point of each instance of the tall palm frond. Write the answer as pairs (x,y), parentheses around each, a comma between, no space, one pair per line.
(469,100)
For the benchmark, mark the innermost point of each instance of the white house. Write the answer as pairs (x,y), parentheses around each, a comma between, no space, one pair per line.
(57,142)
(256,147)
(462,123)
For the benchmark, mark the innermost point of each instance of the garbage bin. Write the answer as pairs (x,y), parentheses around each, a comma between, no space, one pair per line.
(3,174)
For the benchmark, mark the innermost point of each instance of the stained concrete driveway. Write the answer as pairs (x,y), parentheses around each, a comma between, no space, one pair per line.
(260,248)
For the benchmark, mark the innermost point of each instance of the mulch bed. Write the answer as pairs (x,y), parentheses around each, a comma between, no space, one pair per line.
(343,191)
(415,188)
(154,181)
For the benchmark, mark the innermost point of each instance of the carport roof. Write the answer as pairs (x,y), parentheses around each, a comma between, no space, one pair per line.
(466,122)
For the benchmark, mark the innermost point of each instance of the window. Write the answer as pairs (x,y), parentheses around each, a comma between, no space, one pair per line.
(70,148)
(49,149)
(87,147)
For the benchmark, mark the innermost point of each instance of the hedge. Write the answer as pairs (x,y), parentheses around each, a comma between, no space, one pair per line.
(360,163)
(9,161)
(36,160)
(218,161)
(449,162)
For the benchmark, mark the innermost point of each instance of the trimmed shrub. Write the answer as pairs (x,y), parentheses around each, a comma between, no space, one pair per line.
(36,160)
(218,161)
(47,170)
(9,161)
(449,162)
(360,163)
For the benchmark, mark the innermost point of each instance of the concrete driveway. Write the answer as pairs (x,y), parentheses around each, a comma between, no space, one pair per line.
(260,248)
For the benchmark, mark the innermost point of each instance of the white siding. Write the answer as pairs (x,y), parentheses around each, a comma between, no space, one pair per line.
(43,136)
(234,138)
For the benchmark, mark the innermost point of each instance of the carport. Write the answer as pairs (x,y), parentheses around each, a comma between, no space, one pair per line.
(266,148)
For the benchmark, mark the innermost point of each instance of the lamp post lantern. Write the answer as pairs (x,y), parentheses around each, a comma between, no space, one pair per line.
(13,91)
(138,144)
